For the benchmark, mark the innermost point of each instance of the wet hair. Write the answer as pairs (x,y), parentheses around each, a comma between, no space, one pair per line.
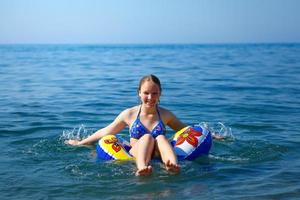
(152,78)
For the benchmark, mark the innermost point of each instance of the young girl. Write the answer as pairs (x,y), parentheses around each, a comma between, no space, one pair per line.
(147,128)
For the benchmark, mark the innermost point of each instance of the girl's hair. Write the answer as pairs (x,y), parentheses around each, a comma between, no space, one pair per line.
(150,77)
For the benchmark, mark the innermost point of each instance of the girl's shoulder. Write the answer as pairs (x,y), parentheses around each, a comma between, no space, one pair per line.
(170,119)
(129,112)
(165,113)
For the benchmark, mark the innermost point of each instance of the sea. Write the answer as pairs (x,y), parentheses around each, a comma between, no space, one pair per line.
(248,93)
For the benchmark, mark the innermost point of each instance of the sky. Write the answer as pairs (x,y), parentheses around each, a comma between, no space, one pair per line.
(149,21)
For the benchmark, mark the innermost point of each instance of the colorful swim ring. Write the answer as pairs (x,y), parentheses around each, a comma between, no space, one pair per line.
(189,143)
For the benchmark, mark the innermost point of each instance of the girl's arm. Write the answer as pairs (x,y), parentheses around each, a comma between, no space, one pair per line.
(173,122)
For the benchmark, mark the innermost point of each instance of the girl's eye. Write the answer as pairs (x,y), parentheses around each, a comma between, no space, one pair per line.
(148,93)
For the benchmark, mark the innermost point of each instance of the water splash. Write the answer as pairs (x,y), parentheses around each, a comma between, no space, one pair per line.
(218,129)
(78,133)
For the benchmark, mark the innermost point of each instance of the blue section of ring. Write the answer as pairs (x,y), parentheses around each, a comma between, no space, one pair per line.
(102,154)
(202,149)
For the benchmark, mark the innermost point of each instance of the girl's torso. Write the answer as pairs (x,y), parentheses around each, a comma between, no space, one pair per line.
(146,124)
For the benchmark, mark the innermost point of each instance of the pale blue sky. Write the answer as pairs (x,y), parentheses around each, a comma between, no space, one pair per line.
(149,21)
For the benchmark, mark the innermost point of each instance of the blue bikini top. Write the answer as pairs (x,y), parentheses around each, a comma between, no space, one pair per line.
(137,129)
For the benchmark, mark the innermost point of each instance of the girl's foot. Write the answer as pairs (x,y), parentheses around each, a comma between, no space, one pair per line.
(144,171)
(172,167)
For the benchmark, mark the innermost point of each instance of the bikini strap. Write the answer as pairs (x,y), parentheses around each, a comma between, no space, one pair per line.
(158,113)
(160,119)
(138,115)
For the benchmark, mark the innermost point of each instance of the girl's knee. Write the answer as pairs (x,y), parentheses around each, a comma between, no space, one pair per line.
(147,137)
(161,138)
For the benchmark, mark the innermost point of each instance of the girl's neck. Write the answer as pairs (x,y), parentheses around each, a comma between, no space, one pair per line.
(146,110)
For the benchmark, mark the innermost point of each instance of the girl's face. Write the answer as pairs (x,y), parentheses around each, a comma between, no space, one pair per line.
(149,94)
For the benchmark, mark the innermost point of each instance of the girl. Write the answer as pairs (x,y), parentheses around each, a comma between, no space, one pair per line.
(147,128)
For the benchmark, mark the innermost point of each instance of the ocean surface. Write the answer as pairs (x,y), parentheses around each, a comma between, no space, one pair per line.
(250,93)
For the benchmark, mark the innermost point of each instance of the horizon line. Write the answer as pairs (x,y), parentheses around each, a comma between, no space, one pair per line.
(158,44)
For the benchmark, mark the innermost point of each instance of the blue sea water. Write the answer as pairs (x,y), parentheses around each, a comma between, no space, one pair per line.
(250,93)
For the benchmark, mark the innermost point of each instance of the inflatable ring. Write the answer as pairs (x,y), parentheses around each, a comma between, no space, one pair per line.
(189,143)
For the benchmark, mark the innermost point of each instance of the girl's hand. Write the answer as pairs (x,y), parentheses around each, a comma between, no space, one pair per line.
(72,142)
(217,136)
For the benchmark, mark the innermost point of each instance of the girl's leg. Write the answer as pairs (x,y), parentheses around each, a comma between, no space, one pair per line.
(167,153)
(142,151)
